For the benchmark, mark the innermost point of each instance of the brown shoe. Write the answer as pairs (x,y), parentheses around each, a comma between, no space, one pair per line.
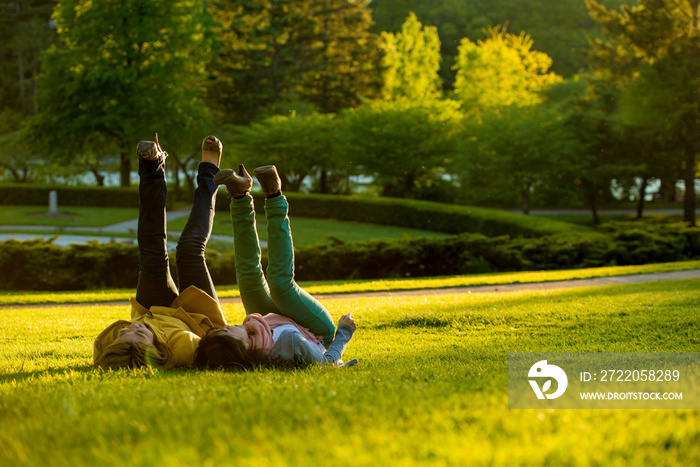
(150,150)
(211,150)
(269,179)
(237,184)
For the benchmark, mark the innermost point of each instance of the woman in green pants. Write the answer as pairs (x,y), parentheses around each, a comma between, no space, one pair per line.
(284,324)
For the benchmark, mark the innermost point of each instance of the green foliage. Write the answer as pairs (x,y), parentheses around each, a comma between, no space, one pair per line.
(411,61)
(338,55)
(23,194)
(653,49)
(404,143)
(40,265)
(430,388)
(500,71)
(529,149)
(281,54)
(300,146)
(122,68)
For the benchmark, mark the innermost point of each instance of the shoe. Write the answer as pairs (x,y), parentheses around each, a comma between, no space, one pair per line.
(150,150)
(237,184)
(269,179)
(212,148)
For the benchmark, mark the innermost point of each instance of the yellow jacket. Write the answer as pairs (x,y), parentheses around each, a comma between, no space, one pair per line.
(180,326)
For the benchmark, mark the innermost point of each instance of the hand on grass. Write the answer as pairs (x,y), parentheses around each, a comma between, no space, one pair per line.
(347,319)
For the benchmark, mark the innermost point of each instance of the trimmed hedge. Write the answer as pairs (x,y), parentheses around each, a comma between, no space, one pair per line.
(23,194)
(40,265)
(426,215)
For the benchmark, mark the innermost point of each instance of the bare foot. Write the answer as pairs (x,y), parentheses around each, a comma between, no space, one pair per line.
(211,150)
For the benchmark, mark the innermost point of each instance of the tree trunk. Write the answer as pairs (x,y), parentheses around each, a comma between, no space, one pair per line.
(525,193)
(323,182)
(124,169)
(593,201)
(642,195)
(99,178)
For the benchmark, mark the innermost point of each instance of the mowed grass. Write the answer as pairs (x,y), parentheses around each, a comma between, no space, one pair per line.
(430,388)
(308,231)
(358,286)
(80,216)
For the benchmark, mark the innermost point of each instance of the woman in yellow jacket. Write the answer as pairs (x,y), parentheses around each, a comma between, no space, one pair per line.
(166,323)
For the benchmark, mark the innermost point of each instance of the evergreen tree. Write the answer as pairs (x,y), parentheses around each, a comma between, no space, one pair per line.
(411,61)
(337,55)
(653,49)
(122,70)
(253,66)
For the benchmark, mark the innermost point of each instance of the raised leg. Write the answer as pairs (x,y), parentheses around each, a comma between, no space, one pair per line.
(292,300)
(255,293)
(155,286)
(191,263)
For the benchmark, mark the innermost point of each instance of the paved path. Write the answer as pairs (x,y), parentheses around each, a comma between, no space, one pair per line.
(595,282)
(62,237)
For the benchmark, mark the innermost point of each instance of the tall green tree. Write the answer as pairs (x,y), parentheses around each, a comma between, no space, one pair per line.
(404,144)
(337,54)
(524,150)
(25,30)
(282,55)
(300,146)
(122,70)
(655,46)
(501,70)
(253,65)
(411,61)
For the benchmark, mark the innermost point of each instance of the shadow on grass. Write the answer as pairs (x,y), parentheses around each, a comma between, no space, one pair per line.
(21,375)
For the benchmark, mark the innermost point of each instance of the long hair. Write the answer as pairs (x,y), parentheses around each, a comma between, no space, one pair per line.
(130,355)
(227,352)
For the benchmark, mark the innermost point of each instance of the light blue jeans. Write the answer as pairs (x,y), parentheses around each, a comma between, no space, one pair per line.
(279,293)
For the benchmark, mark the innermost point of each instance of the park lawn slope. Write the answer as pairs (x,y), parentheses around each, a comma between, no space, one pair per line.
(360,286)
(430,388)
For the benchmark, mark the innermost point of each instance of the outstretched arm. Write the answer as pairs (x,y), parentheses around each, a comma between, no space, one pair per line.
(292,346)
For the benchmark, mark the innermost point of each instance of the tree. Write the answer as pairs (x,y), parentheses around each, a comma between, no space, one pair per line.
(122,70)
(655,46)
(277,55)
(403,144)
(300,146)
(25,30)
(525,149)
(253,65)
(337,54)
(500,71)
(411,61)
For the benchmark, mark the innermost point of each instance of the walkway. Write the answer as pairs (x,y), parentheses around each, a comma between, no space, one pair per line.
(63,236)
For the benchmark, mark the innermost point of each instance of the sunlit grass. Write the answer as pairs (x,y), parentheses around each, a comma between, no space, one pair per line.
(80,216)
(308,231)
(354,286)
(430,388)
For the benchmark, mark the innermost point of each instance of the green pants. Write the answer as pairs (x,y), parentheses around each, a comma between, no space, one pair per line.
(279,293)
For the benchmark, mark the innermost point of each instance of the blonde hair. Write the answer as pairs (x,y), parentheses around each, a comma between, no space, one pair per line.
(118,354)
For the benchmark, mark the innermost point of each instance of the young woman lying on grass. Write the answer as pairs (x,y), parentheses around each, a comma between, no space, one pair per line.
(165,325)
(284,324)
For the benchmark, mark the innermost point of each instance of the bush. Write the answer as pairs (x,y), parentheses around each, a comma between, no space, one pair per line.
(24,194)
(426,215)
(41,265)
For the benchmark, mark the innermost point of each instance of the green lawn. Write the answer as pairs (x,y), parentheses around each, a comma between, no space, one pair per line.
(80,216)
(308,231)
(372,285)
(430,388)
